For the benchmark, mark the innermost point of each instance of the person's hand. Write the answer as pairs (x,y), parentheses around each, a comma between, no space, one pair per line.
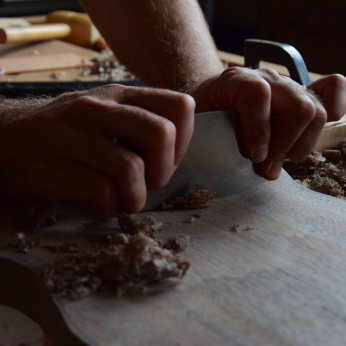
(65,150)
(280,119)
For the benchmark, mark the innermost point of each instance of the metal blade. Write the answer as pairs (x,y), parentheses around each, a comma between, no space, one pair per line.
(213,162)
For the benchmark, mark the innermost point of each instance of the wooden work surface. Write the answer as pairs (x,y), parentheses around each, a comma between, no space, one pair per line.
(282,283)
(49,48)
(37,51)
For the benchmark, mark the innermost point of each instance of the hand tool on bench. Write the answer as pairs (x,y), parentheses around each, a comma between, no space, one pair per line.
(73,27)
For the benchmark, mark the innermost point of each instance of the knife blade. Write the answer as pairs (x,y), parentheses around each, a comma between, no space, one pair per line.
(212,162)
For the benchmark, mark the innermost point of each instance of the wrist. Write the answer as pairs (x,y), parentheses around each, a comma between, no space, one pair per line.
(203,93)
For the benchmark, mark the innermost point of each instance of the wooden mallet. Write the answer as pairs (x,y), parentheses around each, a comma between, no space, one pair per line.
(72,27)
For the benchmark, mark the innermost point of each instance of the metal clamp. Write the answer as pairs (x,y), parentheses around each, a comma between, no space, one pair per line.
(279,53)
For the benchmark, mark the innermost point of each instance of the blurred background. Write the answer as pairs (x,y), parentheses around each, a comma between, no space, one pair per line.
(315,27)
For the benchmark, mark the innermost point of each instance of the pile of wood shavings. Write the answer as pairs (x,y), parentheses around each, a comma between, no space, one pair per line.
(108,68)
(322,172)
(197,199)
(126,262)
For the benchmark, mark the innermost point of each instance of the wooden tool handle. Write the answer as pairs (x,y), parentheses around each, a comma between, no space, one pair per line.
(34,33)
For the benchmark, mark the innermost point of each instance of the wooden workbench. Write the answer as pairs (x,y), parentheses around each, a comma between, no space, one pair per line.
(282,283)
(49,48)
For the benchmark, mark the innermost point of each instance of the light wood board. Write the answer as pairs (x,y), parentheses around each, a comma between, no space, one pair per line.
(41,63)
(43,49)
(332,133)
(282,283)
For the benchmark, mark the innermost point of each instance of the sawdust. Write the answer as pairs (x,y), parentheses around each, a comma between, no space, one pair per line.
(239,229)
(197,199)
(108,68)
(178,243)
(322,172)
(123,267)
(125,262)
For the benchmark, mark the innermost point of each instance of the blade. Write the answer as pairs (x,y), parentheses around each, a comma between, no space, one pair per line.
(213,162)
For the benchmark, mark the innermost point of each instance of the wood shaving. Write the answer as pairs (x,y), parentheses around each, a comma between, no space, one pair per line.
(190,219)
(22,243)
(196,215)
(58,75)
(178,243)
(131,225)
(197,199)
(322,172)
(238,229)
(108,68)
(125,267)
(126,262)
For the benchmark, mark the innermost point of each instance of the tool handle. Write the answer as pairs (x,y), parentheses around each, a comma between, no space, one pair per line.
(36,32)
(279,53)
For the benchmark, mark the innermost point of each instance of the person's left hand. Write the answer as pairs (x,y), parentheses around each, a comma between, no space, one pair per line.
(280,118)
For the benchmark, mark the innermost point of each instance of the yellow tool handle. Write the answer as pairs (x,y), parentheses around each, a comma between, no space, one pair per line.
(36,32)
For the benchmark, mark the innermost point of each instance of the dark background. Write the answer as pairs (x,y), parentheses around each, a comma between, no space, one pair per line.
(315,27)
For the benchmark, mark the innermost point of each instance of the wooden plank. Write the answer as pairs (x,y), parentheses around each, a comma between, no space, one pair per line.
(41,63)
(44,48)
(282,283)
(332,134)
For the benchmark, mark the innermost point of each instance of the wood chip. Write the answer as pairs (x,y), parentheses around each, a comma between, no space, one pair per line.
(238,229)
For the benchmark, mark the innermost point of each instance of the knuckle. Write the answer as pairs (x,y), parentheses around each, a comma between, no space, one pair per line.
(258,89)
(231,71)
(165,131)
(306,108)
(115,87)
(185,103)
(132,167)
(271,73)
(320,119)
(128,91)
(84,101)
(87,103)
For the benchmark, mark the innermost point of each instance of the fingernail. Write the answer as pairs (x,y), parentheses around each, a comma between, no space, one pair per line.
(275,169)
(260,153)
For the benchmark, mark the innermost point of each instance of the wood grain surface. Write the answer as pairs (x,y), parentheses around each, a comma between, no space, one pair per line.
(41,50)
(282,283)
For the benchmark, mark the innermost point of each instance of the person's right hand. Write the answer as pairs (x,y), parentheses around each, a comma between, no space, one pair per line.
(66,149)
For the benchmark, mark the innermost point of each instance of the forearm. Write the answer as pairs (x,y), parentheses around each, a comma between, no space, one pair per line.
(165,43)
(10,108)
